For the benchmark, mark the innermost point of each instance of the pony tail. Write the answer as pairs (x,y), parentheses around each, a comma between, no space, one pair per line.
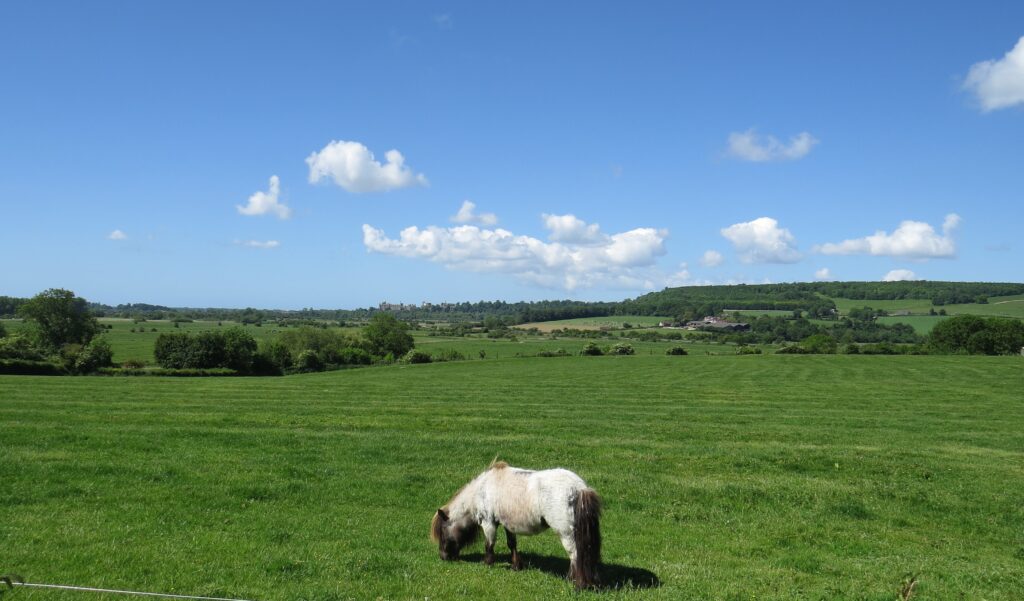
(587,535)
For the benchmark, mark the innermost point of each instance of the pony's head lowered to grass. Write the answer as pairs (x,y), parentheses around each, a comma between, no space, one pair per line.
(451,536)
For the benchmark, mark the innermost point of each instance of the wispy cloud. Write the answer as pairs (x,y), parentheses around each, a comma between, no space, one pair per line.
(266,244)
(466,214)
(117,235)
(751,146)
(353,167)
(911,240)
(262,203)
(899,275)
(762,241)
(621,260)
(999,83)
(823,274)
(712,258)
(444,21)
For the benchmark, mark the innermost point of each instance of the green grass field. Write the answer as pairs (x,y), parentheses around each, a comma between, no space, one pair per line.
(1000,306)
(530,346)
(922,324)
(595,323)
(734,478)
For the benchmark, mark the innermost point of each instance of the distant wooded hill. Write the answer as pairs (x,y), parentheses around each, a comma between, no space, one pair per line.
(684,302)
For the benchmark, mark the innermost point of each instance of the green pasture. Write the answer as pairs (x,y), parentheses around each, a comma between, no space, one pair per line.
(922,324)
(997,306)
(503,348)
(723,477)
(760,312)
(596,323)
(1001,306)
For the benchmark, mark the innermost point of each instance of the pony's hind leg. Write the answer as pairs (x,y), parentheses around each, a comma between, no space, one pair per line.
(569,543)
(490,535)
(511,539)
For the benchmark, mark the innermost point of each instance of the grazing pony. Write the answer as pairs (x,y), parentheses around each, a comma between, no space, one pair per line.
(524,502)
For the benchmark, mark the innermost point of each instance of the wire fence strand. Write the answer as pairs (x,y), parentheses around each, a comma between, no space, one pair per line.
(14,581)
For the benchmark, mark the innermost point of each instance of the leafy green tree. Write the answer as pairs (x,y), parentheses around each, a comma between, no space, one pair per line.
(58,317)
(977,335)
(951,335)
(239,349)
(3,331)
(386,334)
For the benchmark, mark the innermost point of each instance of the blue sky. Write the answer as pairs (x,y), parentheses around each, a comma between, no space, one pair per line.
(607,149)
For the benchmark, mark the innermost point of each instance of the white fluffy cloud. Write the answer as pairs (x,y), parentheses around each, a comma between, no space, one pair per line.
(466,215)
(750,146)
(823,274)
(616,260)
(712,258)
(999,83)
(117,235)
(762,241)
(353,167)
(261,203)
(911,240)
(571,229)
(681,277)
(899,275)
(258,243)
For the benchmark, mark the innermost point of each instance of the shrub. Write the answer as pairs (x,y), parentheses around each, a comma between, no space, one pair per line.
(882,348)
(19,347)
(132,364)
(851,349)
(354,356)
(592,349)
(791,350)
(93,356)
(233,348)
(173,351)
(239,349)
(277,354)
(449,355)
(327,344)
(819,344)
(622,348)
(555,353)
(676,350)
(29,367)
(415,356)
(387,335)
(748,350)
(308,360)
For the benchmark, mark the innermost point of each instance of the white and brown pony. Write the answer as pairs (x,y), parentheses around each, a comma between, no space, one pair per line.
(524,502)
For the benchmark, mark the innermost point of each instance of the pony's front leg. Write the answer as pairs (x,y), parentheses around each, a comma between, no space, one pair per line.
(517,563)
(490,535)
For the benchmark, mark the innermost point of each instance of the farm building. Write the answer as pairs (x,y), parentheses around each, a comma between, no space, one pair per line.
(714,323)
